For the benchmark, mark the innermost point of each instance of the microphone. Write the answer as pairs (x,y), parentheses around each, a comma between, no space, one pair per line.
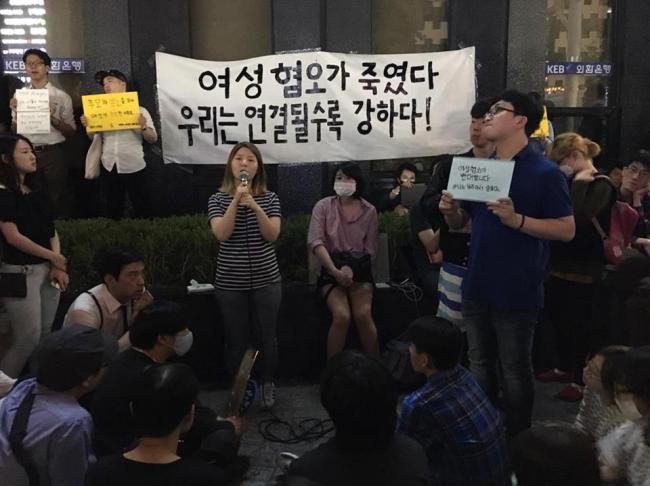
(243,177)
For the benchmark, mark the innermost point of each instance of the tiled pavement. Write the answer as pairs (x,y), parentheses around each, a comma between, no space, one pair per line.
(296,402)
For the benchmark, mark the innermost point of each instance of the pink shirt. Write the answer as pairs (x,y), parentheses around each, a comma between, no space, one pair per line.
(329,227)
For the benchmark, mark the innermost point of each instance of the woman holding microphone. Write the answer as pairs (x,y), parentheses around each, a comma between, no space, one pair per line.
(245,218)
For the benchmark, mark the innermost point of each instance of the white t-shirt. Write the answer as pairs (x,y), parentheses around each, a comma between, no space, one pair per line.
(110,320)
(624,448)
(124,148)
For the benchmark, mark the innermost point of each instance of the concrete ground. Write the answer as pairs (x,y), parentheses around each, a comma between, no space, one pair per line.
(298,401)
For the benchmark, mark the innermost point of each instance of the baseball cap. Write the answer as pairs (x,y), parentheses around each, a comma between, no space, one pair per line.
(67,357)
(100,75)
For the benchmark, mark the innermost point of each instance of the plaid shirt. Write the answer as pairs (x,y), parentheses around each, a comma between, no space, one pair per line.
(459,429)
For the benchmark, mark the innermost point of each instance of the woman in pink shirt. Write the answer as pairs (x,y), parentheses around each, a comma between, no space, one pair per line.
(343,235)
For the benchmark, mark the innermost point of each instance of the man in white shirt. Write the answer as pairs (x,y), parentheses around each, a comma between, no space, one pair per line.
(113,305)
(122,155)
(50,156)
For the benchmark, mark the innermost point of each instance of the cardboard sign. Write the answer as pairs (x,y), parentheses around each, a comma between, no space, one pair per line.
(33,111)
(114,111)
(480,180)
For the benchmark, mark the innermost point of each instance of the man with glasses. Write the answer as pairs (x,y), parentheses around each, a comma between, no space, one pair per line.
(50,155)
(503,291)
(123,165)
(635,189)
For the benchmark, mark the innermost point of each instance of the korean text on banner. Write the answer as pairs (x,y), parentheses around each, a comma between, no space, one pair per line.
(113,111)
(481,180)
(33,111)
(316,106)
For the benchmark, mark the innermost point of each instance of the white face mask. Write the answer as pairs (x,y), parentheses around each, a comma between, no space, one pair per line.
(628,409)
(342,188)
(183,344)
(567,170)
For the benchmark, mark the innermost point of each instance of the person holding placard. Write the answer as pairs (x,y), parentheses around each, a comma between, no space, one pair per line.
(122,157)
(49,146)
(503,289)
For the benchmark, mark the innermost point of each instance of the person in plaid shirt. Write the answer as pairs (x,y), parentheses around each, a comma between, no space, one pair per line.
(450,416)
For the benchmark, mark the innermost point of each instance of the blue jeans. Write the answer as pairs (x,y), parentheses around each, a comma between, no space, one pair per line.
(500,350)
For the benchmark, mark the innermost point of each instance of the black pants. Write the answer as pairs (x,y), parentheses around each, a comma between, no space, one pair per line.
(116,186)
(570,309)
(53,171)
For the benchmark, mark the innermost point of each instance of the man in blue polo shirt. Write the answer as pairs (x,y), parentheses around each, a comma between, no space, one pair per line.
(503,292)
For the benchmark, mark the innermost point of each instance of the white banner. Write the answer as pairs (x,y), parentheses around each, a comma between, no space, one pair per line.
(316,106)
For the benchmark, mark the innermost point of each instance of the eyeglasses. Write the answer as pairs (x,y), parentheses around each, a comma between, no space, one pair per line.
(34,64)
(634,170)
(496,109)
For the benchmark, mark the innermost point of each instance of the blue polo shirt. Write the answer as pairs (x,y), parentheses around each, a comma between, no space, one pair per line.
(506,266)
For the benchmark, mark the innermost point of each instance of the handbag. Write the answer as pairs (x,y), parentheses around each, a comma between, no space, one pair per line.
(94,158)
(623,220)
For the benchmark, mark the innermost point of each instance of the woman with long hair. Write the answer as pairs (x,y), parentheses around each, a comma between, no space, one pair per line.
(245,218)
(31,246)
(343,235)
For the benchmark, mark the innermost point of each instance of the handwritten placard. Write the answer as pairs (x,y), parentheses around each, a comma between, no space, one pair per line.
(113,111)
(480,180)
(33,111)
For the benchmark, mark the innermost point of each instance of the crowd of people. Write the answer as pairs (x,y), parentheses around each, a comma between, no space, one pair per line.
(99,401)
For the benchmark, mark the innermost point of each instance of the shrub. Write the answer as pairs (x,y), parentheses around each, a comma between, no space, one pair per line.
(180,248)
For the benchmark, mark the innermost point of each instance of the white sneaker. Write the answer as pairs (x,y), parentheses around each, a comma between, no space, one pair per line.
(268,395)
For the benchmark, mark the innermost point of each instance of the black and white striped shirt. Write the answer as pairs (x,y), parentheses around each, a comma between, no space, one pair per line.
(246,260)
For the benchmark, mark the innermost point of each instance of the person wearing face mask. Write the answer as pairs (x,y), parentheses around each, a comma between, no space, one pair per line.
(625,452)
(343,234)
(163,410)
(158,333)
(599,413)
(576,266)
(405,177)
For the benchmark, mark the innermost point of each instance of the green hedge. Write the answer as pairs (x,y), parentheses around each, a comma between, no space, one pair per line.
(180,248)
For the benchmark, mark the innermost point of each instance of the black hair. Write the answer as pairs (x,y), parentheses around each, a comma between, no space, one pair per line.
(612,368)
(406,166)
(642,157)
(165,396)
(111,261)
(554,454)
(439,338)
(526,106)
(44,56)
(360,396)
(8,173)
(161,318)
(352,169)
(636,378)
(481,107)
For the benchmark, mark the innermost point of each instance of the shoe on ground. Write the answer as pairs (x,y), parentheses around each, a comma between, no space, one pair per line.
(555,376)
(570,393)
(268,395)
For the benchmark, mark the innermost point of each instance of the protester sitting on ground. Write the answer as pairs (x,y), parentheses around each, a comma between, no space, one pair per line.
(360,397)
(405,177)
(158,333)
(45,435)
(599,413)
(460,430)
(577,266)
(30,247)
(162,410)
(113,305)
(625,451)
(554,455)
(343,234)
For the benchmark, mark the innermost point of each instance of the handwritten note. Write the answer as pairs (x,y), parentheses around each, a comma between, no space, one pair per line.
(480,180)
(33,111)
(114,111)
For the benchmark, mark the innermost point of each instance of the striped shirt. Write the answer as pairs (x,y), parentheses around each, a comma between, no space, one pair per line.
(246,260)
